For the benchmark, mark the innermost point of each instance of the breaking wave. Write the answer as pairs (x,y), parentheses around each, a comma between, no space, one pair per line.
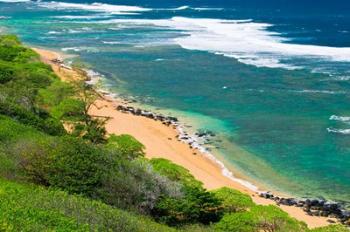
(247,41)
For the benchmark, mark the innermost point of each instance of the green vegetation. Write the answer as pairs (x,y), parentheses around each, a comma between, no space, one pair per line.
(332,228)
(233,200)
(32,208)
(59,171)
(260,218)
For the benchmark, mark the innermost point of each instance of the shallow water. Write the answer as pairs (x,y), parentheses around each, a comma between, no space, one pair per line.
(271,81)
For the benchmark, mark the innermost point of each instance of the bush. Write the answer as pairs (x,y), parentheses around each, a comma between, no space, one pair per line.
(127,146)
(260,218)
(175,172)
(237,222)
(69,109)
(54,94)
(196,206)
(30,208)
(331,228)
(47,125)
(135,186)
(6,73)
(233,200)
(67,163)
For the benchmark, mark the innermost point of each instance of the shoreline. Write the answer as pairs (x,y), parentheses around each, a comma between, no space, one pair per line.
(162,141)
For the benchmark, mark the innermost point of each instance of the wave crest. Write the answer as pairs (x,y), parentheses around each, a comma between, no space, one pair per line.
(95,7)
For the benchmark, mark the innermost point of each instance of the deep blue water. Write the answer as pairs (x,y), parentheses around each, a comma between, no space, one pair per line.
(271,78)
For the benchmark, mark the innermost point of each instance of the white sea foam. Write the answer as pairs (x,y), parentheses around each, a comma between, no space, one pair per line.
(78,49)
(190,8)
(14,1)
(54,33)
(95,7)
(339,118)
(111,42)
(318,91)
(249,42)
(94,77)
(87,17)
(341,78)
(207,9)
(339,131)
(181,8)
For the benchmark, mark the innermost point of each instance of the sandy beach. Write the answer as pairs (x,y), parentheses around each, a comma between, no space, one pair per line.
(161,142)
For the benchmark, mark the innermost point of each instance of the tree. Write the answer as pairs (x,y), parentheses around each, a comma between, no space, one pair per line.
(237,222)
(197,205)
(127,146)
(233,200)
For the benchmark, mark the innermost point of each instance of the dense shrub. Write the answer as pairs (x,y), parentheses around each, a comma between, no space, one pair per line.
(196,206)
(46,124)
(237,222)
(233,200)
(54,94)
(6,73)
(29,208)
(260,218)
(134,185)
(127,145)
(331,228)
(175,172)
(68,109)
(67,163)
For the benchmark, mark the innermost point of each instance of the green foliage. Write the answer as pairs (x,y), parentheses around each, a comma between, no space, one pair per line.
(21,77)
(127,145)
(95,131)
(29,208)
(233,200)
(69,109)
(54,94)
(6,73)
(196,206)
(237,222)
(260,218)
(67,163)
(45,123)
(272,218)
(175,172)
(11,49)
(331,228)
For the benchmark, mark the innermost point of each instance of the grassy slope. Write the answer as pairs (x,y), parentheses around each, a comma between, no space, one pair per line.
(27,89)
(26,207)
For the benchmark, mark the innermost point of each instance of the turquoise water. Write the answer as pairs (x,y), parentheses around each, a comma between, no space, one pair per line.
(272,83)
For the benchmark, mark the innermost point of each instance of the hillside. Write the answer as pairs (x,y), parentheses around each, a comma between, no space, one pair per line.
(60,171)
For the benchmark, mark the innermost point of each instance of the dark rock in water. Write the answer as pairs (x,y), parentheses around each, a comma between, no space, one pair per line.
(266,195)
(205,133)
(314,207)
(138,112)
(324,213)
(173,119)
(306,208)
(287,201)
(300,203)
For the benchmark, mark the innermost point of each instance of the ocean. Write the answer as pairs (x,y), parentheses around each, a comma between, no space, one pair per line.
(270,78)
